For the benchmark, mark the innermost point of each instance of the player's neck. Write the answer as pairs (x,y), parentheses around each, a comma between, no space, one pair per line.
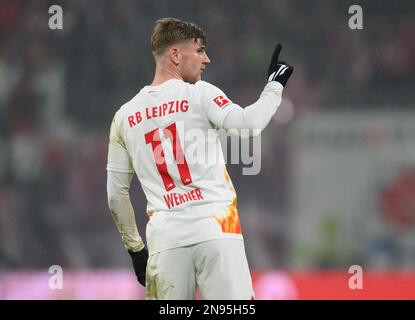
(164,74)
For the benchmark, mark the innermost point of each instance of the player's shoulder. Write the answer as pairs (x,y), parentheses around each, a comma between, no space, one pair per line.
(204,85)
(125,107)
(206,90)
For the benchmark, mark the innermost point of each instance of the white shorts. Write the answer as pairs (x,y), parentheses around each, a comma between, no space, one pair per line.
(219,269)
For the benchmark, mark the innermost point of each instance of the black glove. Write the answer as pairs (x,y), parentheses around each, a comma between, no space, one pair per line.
(278,70)
(140,264)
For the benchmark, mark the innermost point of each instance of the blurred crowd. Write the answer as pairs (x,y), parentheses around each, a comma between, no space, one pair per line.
(60,88)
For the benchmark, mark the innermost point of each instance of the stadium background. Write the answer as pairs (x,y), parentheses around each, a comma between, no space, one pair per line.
(337,184)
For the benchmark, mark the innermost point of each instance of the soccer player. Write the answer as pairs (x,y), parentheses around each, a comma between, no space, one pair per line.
(193,234)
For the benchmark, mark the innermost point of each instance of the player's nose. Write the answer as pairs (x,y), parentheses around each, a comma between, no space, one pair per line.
(206,59)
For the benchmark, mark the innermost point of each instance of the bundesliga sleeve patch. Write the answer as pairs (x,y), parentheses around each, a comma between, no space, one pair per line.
(221,101)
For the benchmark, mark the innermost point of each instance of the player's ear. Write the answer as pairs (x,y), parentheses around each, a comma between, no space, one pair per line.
(174,55)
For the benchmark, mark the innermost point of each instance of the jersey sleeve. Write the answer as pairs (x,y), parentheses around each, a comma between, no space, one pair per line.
(118,158)
(214,102)
(257,115)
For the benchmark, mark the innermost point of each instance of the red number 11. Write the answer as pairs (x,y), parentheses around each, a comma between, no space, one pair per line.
(153,137)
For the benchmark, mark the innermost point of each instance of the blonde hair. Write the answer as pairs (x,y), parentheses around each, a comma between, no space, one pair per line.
(168,31)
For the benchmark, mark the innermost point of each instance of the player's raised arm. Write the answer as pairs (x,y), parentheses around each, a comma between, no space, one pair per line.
(258,115)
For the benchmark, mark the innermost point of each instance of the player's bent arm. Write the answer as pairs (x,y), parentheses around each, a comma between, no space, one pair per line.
(256,116)
(118,186)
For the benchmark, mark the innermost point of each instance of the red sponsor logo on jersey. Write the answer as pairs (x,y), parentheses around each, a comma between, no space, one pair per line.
(221,101)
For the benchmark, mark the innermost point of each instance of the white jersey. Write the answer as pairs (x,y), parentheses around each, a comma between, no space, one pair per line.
(167,135)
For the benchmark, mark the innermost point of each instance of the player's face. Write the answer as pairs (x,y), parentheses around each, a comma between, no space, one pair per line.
(193,60)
